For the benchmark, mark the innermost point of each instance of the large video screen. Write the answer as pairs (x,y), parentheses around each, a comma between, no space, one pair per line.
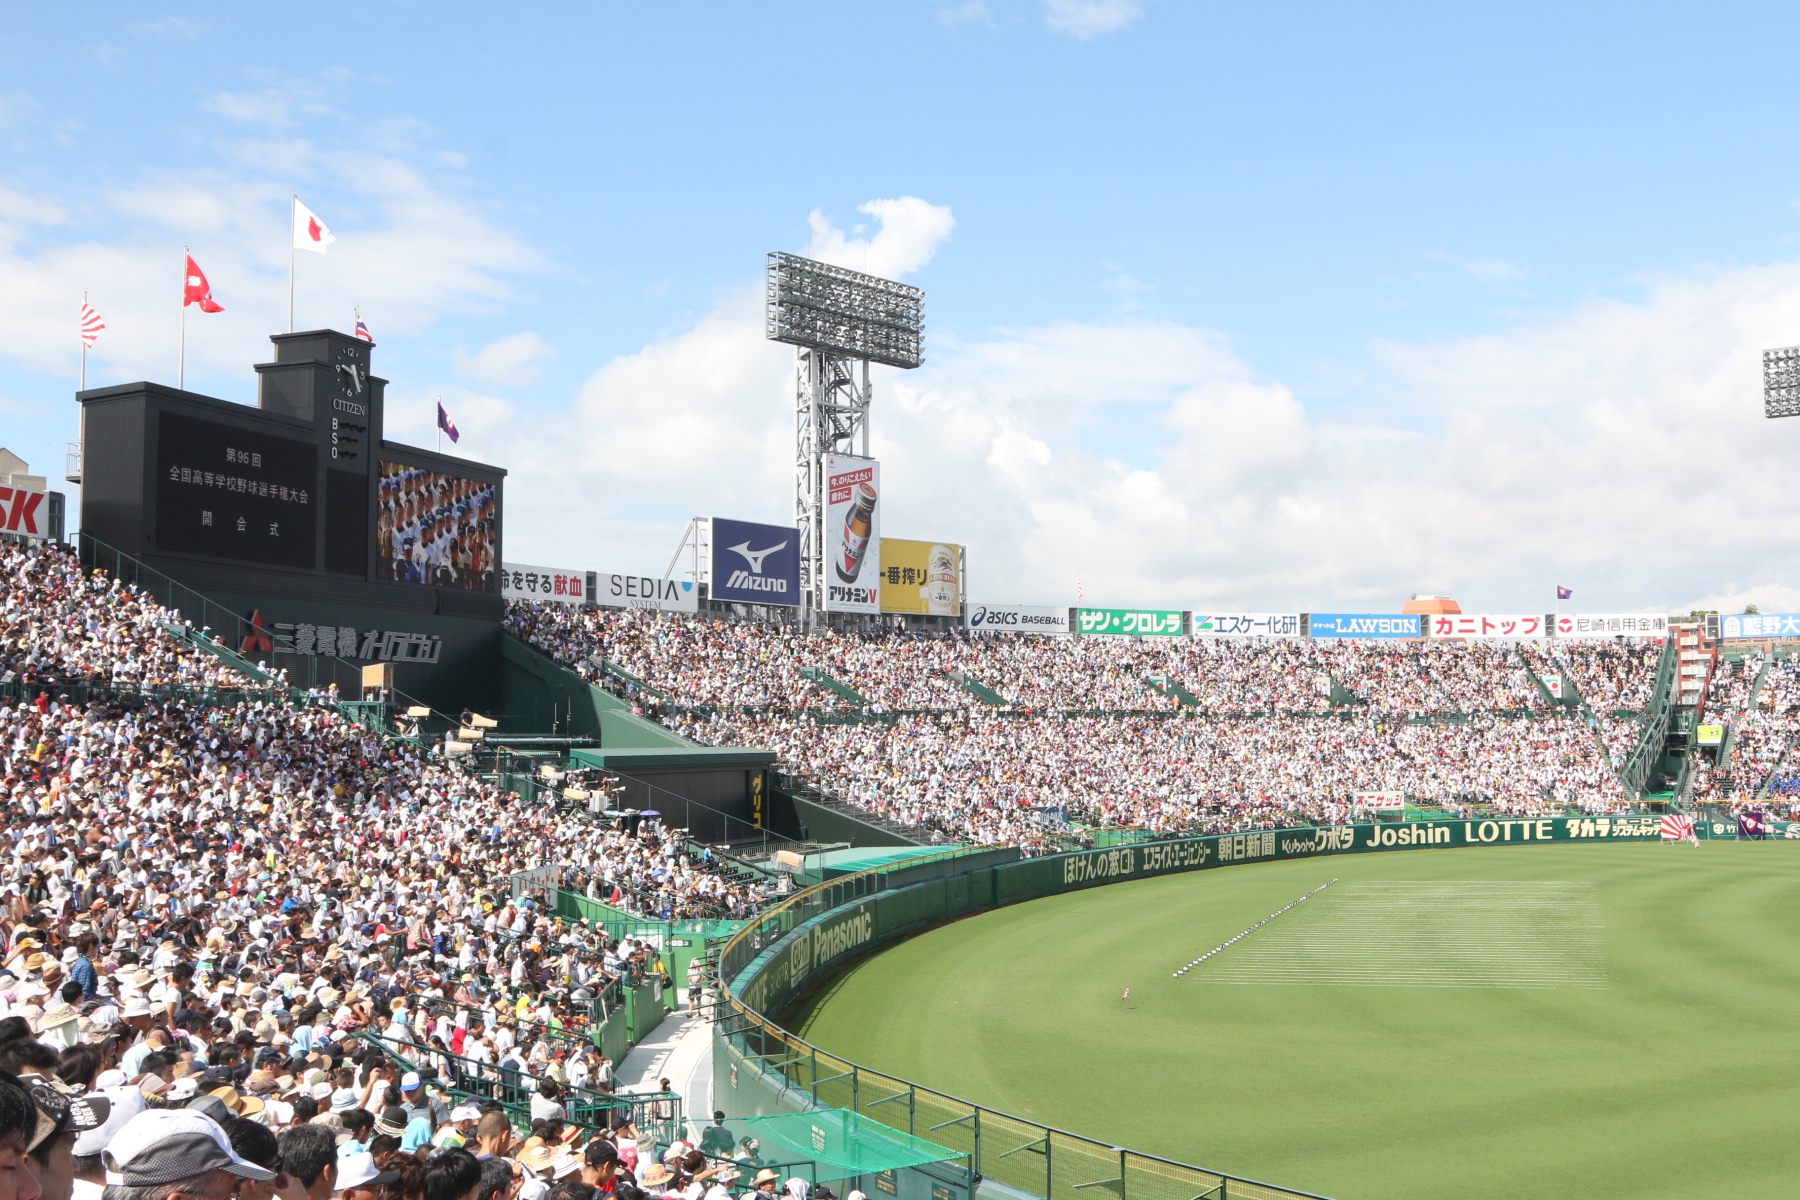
(436,529)
(228,493)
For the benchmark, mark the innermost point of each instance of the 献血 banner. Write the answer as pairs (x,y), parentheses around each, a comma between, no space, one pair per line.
(553,585)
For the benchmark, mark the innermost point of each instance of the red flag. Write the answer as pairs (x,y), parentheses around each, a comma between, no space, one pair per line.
(195,289)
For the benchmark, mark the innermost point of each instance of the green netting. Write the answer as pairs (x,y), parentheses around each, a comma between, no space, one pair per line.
(838,1142)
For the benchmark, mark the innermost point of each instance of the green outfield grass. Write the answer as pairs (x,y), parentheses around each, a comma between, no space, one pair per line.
(1552,1021)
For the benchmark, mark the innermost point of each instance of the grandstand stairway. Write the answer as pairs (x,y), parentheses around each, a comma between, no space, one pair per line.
(1171,687)
(818,676)
(623,676)
(977,689)
(1756,687)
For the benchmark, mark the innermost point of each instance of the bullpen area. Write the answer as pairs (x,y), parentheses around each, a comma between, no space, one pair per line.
(1570,1020)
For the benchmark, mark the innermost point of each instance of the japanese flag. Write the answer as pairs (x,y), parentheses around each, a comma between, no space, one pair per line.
(309,232)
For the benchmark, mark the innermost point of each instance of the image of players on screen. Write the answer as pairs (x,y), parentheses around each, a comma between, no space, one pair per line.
(436,529)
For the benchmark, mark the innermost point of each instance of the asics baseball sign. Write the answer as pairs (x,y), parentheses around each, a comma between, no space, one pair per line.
(754,564)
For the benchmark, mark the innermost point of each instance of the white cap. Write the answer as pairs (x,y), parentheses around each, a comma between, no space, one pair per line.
(163,1145)
(125,1103)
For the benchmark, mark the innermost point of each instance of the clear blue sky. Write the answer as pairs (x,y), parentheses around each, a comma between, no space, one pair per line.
(1306,185)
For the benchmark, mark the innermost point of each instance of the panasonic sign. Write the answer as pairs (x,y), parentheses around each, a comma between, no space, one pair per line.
(754,564)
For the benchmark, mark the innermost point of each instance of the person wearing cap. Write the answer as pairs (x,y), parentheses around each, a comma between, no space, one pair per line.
(600,1164)
(359,1178)
(177,1153)
(420,1102)
(457,1131)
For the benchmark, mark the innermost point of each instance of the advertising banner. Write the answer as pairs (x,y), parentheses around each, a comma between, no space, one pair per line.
(1016,618)
(1605,625)
(1246,624)
(852,534)
(1553,685)
(1761,625)
(24,512)
(921,577)
(754,564)
(1130,622)
(1709,735)
(1482,625)
(647,592)
(1365,625)
(551,585)
(1382,801)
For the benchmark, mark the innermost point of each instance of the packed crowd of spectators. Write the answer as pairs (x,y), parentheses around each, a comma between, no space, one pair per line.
(59,623)
(991,777)
(707,661)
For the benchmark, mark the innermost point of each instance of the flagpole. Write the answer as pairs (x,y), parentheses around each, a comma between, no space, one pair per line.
(440,422)
(83,386)
(293,212)
(181,365)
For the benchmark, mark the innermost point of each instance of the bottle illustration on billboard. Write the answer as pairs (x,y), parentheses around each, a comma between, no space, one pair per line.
(939,592)
(859,522)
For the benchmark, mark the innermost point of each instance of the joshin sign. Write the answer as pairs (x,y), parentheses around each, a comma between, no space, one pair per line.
(852,534)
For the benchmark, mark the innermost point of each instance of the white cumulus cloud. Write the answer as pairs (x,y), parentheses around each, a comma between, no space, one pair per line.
(511,360)
(1083,19)
(911,232)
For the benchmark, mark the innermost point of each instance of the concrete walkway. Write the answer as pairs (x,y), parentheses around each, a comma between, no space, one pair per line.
(679,1050)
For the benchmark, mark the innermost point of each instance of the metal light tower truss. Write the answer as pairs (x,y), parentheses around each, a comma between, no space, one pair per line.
(1781,382)
(838,321)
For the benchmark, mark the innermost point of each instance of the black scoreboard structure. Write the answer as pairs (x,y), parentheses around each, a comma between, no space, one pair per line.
(332,547)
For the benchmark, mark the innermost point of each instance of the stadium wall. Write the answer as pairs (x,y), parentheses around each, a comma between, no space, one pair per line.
(760,1067)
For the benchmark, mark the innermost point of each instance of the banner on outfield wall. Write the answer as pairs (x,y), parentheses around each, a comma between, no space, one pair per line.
(1246,624)
(616,590)
(852,534)
(749,563)
(785,961)
(1760,625)
(1773,830)
(1365,625)
(921,577)
(1486,625)
(553,585)
(1016,618)
(1381,801)
(1606,625)
(1129,622)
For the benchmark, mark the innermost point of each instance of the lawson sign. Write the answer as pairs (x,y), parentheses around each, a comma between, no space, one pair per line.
(1365,625)
(1016,618)
(754,564)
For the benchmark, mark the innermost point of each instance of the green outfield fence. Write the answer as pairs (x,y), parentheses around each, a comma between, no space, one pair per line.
(759,1067)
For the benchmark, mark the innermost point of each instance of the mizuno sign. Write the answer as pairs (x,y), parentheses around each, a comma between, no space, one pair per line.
(753,564)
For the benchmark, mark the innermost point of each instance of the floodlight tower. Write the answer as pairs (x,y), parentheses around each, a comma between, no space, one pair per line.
(838,321)
(1781,382)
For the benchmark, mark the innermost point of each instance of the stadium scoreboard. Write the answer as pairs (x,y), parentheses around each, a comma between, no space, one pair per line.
(298,509)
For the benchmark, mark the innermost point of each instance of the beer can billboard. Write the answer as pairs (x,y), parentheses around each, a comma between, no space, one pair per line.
(852,531)
(753,564)
(921,577)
